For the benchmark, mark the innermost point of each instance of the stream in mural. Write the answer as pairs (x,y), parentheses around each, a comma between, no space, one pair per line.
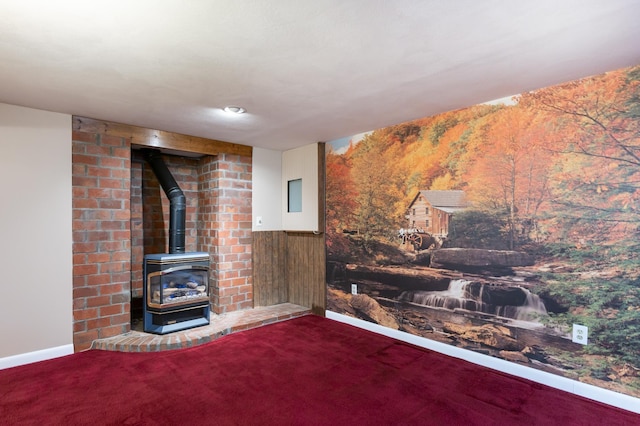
(461,294)
(517,220)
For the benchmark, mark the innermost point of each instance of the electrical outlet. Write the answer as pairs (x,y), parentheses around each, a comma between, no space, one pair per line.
(354,288)
(580,334)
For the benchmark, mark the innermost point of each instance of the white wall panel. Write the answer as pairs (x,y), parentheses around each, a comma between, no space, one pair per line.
(36,308)
(301,163)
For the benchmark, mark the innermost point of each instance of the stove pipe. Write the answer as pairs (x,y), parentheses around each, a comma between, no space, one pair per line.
(177,200)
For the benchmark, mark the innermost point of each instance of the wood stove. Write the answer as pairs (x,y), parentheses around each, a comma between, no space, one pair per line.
(176,291)
(176,284)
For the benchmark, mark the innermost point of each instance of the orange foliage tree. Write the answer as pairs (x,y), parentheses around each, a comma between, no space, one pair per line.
(597,183)
(340,200)
(378,180)
(509,173)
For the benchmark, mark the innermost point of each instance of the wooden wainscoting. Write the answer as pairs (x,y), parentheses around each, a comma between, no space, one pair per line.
(306,270)
(289,267)
(269,252)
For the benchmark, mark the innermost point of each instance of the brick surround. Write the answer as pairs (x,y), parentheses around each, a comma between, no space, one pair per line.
(120,213)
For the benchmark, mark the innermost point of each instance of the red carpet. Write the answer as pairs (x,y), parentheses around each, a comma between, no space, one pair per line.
(306,371)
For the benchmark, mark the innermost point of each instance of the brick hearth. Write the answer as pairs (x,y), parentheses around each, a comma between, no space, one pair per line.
(221,325)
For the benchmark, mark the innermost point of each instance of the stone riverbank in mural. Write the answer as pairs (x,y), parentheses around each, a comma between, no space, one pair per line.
(505,316)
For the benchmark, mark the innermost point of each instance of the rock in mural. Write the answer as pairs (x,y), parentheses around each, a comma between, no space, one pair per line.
(468,259)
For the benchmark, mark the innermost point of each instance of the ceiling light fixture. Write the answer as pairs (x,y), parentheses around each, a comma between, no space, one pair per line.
(234,109)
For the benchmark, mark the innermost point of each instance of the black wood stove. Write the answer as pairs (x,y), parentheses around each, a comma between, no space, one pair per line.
(176,284)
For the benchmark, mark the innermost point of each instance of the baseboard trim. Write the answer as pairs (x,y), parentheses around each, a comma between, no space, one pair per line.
(35,356)
(595,393)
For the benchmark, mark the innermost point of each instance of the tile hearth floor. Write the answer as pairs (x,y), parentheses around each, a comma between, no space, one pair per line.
(220,325)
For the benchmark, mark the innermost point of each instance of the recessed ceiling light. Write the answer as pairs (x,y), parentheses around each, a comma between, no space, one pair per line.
(234,109)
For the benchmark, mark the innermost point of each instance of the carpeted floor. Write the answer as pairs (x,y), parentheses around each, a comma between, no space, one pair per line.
(305,371)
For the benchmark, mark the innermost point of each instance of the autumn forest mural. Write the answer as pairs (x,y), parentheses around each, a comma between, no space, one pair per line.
(497,227)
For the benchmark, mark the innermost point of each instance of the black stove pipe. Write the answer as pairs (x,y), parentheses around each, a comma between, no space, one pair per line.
(177,200)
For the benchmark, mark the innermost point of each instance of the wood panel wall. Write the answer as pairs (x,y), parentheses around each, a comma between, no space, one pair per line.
(306,270)
(269,253)
(289,267)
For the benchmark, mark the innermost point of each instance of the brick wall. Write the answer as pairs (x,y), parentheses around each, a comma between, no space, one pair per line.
(137,230)
(227,180)
(121,213)
(101,237)
(156,204)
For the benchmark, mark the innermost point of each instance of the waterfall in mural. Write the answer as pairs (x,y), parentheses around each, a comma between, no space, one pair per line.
(509,302)
(532,309)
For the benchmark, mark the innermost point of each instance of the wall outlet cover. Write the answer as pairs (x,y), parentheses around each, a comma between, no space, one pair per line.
(580,334)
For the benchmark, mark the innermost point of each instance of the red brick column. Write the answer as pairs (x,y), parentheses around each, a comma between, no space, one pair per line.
(225,229)
(101,237)
(137,230)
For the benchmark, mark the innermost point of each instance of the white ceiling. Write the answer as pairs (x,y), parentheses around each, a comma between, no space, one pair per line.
(306,70)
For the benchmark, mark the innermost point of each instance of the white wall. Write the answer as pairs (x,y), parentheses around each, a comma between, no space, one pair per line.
(36,317)
(266,193)
(271,171)
(301,163)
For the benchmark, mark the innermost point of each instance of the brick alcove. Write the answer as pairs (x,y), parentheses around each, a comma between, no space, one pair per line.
(120,213)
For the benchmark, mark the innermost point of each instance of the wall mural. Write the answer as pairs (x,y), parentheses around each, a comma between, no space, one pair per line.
(497,227)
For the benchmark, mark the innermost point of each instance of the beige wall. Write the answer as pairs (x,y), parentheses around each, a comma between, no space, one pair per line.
(266,197)
(35,231)
(301,163)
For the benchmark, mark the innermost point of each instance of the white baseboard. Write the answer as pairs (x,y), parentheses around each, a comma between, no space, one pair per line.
(35,356)
(595,393)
